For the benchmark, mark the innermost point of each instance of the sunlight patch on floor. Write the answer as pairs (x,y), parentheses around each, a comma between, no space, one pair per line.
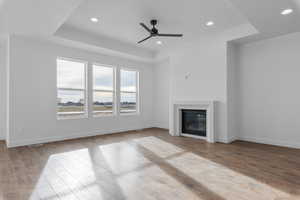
(68,175)
(158,147)
(223,181)
(153,183)
(122,157)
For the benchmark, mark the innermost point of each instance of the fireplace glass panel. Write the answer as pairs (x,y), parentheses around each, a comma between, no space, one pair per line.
(194,122)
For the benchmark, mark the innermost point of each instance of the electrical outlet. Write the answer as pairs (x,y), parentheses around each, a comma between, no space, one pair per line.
(187,75)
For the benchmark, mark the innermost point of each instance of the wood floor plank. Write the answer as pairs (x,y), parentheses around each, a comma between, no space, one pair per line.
(149,165)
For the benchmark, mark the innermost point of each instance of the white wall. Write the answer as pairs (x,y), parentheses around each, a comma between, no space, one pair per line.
(269,74)
(33,94)
(2,91)
(161,94)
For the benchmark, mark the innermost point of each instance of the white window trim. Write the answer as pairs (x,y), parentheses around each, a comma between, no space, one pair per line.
(89,93)
(85,92)
(114,104)
(137,112)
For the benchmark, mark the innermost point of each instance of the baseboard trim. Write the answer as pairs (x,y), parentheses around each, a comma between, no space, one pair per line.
(232,139)
(12,144)
(270,142)
(164,129)
(157,125)
(98,133)
(226,141)
(222,140)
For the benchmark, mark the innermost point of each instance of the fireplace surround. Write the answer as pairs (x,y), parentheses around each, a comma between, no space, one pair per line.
(199,116)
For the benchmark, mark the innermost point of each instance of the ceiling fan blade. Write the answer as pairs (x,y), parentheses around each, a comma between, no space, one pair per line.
(145,39)
(169,35)
(145,27)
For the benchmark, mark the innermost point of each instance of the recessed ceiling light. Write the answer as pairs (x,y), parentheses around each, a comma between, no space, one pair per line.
(287,11)
(159,42)
(94,19)
(210,23)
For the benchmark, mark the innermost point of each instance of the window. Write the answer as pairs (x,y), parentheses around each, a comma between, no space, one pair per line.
(112,91)
(71,88)
(128,91)
(103,90)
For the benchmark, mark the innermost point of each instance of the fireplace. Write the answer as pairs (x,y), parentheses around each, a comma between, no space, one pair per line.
(193,122)
(193,119)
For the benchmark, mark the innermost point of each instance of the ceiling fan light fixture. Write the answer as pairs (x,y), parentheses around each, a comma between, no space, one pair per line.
(210,23)
(94,19)
(287,11)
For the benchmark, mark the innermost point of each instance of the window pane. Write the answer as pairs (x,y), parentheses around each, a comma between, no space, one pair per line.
(103,78)
(128,102)
(103,103)
(70,74)
(128,81)
(70,102)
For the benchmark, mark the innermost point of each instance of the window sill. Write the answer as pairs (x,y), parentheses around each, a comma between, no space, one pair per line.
(130,114)
(71,117)
(98,115)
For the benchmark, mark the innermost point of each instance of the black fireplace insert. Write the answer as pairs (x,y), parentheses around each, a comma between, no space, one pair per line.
(193,122)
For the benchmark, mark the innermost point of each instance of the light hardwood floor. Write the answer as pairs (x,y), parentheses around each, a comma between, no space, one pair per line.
(149,165)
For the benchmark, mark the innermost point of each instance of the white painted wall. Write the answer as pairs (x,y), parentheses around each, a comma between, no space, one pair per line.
(269,91)
(161,94)
(33,100)
(2,91)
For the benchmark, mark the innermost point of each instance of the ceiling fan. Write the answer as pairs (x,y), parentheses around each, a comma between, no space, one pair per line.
(154,32)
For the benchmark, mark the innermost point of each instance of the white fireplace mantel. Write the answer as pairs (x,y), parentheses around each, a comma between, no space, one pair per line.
(175,119)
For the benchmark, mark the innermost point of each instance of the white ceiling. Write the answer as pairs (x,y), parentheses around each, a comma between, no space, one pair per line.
(118,28)
(265,16)
(34,17)
(119,19)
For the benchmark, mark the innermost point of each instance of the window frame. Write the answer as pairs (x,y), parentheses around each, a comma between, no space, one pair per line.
(78,115)
(137,92)
(114,91)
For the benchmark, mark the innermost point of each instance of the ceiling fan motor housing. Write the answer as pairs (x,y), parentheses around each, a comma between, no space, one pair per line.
(153,22)
(154,31)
